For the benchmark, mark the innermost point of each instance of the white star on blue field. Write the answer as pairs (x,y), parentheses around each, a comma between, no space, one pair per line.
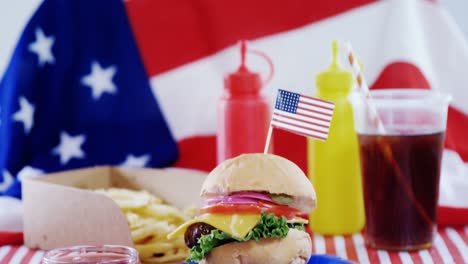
(76,94)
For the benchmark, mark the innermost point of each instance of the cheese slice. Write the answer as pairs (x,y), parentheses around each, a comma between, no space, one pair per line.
(235,225)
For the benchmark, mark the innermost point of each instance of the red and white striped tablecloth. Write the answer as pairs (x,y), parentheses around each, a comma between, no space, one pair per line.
(450,246)
(19,255)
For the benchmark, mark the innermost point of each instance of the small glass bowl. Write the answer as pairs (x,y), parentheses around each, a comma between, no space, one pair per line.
(105,254)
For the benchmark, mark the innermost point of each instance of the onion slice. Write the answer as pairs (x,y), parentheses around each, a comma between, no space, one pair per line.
(230,200)
(240,198)
(255,195)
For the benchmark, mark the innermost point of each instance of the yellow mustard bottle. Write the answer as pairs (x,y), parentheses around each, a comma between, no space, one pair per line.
(333,165)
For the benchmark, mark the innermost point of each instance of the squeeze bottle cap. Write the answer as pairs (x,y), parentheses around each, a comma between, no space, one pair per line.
(335,77)
(243,80)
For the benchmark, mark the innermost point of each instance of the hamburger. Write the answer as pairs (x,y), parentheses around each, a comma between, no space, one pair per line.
(254,213)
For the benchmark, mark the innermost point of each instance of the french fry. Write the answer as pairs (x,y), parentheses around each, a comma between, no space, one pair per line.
(128,199)
(133,220)
(150,249)
(162,211)
(150,220)
(151,229)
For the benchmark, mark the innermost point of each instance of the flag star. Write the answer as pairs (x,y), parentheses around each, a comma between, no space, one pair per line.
(42,47)
(25,114)
(134,161)
(7,181)
(29,172)
(69,147)
(100,80)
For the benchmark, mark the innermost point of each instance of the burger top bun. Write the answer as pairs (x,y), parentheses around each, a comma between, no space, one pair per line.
(262,173)
(295,248)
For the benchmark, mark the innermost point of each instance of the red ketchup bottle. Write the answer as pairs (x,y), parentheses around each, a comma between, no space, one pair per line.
(243,112)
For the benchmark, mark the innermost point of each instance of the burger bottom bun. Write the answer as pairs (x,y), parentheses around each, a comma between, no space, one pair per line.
(295,248)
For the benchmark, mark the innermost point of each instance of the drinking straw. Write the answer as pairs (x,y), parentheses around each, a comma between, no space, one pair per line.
(363,87)
(384,146)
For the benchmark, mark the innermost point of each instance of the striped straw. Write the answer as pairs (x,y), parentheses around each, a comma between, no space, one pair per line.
(363,87)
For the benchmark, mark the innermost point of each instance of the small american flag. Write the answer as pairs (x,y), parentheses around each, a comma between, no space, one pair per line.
(304,115)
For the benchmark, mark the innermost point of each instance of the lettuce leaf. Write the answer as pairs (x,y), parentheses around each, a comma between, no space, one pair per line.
(269,226)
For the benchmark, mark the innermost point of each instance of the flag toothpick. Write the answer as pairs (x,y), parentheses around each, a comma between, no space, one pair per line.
(268,139)
(300,114)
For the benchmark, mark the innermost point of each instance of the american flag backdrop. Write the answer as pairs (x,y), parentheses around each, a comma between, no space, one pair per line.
(76,94)
(136,83)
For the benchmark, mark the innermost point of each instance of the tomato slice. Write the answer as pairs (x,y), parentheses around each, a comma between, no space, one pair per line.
(255,208)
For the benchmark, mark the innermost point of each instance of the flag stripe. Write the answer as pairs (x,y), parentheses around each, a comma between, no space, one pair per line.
(316,102)
(262,43)
(299,123)
(240,17)
(318,109)
(313,115)
(308,110)
(305,134)
(299,130)
(299,117)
